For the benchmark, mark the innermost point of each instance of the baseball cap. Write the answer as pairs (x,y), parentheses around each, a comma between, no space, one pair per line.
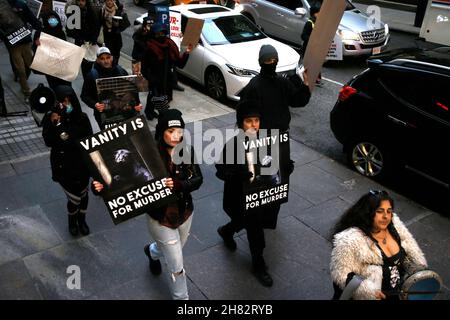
(103,50)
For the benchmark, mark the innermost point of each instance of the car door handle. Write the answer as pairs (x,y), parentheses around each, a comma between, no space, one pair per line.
(398,121)
(280,15)
(254,4)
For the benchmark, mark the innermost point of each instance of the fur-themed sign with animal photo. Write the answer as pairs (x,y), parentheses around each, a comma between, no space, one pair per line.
(267,159)
(126,160)
(119,95)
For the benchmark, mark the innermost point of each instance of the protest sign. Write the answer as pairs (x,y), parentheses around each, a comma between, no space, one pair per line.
(335,51)
(120,96)
(57,58)
(59,8)
(162,15)
(175,27)
(267,158)
(35,7)
(322,35)
(11,25)
(192,32)
(126,160)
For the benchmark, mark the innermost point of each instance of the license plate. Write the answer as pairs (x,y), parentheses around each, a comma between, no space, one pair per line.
(376,50)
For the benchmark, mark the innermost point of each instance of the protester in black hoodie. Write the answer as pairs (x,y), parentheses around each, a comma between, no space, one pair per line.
(103,68)
(51,24)
(63,126)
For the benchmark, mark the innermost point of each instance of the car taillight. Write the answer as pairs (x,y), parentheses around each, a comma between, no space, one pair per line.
(346,92)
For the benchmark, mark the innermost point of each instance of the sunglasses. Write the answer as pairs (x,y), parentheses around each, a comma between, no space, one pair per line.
(377,192)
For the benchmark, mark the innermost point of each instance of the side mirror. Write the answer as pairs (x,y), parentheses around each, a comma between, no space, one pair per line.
(300,12)
(374,63)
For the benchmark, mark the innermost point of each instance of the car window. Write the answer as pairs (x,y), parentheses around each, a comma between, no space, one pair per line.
(289,4)
(349,6)
(423,90)
(231,29)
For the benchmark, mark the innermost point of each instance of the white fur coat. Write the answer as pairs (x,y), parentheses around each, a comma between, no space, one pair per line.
(353,251)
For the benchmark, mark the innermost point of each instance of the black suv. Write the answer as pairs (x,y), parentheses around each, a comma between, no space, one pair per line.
(396,115)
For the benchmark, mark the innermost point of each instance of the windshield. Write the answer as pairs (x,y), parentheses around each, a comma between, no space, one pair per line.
(231,29)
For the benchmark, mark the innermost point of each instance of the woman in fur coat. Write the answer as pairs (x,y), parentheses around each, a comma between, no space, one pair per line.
(370,241)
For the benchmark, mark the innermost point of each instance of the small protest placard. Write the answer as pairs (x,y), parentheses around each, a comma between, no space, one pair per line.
(175,27)
(59,7)
(192,33)
(267,158)
(126,160)
(35,7)
(335,51)
(120,96)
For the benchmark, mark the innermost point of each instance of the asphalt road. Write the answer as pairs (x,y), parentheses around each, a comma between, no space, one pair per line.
(310,125)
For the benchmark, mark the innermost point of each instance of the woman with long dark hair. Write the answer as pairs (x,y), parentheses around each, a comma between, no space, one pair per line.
(371,242)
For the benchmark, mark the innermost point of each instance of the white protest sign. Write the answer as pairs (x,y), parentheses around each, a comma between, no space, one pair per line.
(335,51)
(58,7)
(35,7)
(57,58)
(175,27)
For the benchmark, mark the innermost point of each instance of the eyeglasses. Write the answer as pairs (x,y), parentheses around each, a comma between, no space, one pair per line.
(377,192)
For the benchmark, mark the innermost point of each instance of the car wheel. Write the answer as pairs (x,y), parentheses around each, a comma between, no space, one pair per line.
(369,158)
(138,2)
(215,84)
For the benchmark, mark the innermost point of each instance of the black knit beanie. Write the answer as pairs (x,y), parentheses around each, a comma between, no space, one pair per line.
(267,52)
(168,119)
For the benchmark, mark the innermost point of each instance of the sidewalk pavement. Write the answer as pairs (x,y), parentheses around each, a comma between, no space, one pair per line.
(37,249)
(397,19)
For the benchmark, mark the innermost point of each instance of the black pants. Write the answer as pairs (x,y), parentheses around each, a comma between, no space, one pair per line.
(255,235)
(77,196)
(86,67)
(2,100)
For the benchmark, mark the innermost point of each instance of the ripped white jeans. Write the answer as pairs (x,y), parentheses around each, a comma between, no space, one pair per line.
(168,245)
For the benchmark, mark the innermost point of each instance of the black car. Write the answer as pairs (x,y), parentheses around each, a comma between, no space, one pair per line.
(396,115)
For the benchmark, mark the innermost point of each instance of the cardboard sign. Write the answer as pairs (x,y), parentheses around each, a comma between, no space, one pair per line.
(126,160)
(192,33)
(57,58)
(322,35)
(120,96)
(175,27)
(335,51)
(267,185)
(35,7)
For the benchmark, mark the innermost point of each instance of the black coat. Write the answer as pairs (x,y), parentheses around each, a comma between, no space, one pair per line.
(275,95)
(112,36)
(89,91)
(187,178)
(65,156)
(235,175)
(157,71)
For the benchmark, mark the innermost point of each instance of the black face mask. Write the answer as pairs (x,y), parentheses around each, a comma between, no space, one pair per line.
(268,68)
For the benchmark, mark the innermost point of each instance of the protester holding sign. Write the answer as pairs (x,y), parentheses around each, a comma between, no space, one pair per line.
(63,126)
(15,19)
(236,174)
(161,56)
(103,68)
(169,225)
(114,21)
(51,24)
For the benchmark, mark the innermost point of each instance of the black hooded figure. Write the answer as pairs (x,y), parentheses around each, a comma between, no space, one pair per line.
(63,126)
(51,24)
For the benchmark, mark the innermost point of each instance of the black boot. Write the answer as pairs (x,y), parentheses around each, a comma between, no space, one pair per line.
(73,228)
(154,265)
(227,238)
(260,271)
(82,225)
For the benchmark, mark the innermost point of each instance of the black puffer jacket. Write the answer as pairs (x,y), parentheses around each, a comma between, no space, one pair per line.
(65,156)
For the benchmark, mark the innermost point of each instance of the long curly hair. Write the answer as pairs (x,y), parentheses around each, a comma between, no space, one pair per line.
(362,213)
